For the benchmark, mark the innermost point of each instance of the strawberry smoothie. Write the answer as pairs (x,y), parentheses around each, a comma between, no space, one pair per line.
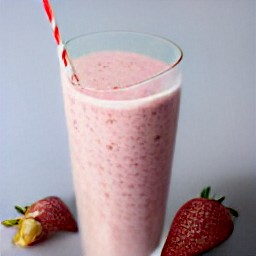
(121,150)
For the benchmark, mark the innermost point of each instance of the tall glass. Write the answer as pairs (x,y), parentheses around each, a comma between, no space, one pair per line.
(121,147)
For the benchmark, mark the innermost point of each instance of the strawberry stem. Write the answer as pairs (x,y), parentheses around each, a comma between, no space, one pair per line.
(205,192)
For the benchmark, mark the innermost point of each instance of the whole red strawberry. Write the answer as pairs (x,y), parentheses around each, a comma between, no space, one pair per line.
(199,225)
(46,215)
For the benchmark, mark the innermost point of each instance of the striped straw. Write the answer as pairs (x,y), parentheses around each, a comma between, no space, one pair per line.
(63,54)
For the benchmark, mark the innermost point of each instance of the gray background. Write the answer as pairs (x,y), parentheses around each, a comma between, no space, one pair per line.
(216,141)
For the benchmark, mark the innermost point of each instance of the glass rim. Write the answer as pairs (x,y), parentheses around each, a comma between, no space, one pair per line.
(155,76)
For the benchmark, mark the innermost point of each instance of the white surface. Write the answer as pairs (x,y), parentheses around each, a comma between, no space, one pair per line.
(216,141)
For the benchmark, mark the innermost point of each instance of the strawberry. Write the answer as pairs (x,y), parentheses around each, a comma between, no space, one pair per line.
(199,225)
(47,215)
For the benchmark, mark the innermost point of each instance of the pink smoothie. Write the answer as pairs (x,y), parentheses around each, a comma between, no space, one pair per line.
(121,151)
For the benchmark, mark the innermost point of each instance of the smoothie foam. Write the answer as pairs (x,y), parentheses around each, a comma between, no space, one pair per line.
(121,152)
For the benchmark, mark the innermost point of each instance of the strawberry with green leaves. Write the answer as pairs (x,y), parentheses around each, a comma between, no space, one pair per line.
(42,217)
(199,225)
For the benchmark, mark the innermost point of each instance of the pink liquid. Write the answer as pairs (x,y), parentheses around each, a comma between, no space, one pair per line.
(121,154)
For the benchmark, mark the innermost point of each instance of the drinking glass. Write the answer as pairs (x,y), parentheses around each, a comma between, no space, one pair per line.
(121,146)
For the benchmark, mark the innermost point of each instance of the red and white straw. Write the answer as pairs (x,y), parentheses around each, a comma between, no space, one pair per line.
(63,54)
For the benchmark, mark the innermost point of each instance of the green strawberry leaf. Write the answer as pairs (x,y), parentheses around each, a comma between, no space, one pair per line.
(10,223)
(21,209)
(233,212)
(221,199)
(205,192)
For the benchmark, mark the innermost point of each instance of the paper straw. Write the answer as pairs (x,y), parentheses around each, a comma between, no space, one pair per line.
(63,54)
